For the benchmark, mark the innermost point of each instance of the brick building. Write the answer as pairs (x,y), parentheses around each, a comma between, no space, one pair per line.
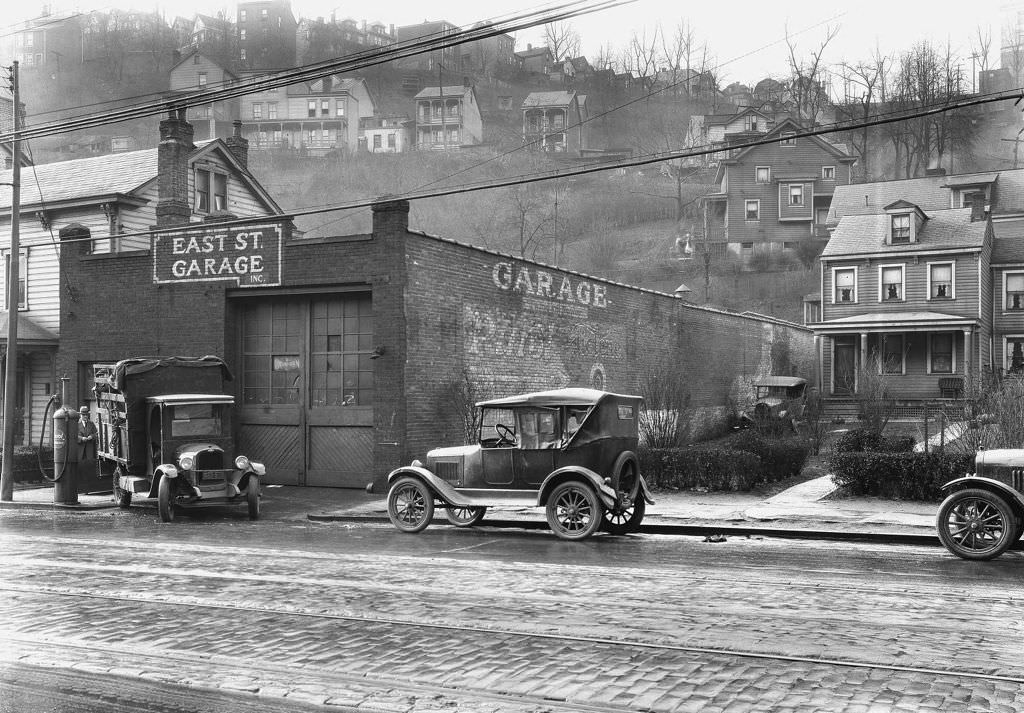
(346,349)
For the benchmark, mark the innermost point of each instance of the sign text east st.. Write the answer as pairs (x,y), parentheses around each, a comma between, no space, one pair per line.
(248,256)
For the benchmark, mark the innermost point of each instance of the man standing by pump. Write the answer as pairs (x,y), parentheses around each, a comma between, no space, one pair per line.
(86,445)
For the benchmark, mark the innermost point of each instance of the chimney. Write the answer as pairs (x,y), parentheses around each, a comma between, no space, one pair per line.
(977,203)
(172,206)
(238,145)
(465,82)
(934,169)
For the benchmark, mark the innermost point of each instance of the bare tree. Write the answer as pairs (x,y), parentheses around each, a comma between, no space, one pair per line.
(562,40)
(1011,53)
(666,416)
(642,56)
(874,394)
(808,76)
(981,46)
(459,396)
(866,84)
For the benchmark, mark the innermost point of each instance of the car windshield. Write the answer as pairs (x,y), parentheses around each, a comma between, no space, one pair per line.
(195,420)
(531,427)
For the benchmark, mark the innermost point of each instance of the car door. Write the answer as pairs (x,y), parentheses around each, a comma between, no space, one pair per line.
(534,459)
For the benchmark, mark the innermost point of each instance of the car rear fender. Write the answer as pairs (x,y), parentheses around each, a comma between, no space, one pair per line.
(645,491)
(973,481)
(440,488)
(576,472)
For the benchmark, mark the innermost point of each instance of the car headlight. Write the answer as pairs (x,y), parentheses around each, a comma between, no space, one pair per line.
(417,463)
(242,463)
(186,462)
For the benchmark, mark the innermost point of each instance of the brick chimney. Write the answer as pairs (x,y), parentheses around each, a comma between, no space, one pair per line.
(172,206)
(238,145)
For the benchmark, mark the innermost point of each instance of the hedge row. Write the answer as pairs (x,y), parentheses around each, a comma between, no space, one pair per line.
(26,463)
(859,440)
(735,463)
(904,476)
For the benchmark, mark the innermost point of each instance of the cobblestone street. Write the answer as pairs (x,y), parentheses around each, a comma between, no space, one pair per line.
(474,621)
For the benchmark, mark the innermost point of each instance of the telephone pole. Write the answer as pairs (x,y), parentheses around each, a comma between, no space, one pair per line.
(11,374)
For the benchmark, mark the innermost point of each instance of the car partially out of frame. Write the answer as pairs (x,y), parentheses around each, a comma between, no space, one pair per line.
(571,451)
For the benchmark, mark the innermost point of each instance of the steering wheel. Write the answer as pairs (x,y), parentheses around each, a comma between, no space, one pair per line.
(506,436)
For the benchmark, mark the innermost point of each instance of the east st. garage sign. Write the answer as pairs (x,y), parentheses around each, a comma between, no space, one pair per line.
(248,255)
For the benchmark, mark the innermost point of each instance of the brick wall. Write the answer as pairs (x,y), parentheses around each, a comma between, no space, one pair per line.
(441,310)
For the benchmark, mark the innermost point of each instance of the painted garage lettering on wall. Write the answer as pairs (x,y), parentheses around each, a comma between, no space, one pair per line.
(541,283)
(495,332)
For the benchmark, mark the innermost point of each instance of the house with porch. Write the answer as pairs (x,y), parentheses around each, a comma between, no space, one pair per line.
(448,118)
(118,198)
(553,121)
(906,293)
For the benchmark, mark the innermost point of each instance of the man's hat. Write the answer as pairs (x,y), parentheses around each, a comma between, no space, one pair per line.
(83,409)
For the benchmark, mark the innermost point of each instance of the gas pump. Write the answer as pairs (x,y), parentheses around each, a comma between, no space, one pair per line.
(65,453)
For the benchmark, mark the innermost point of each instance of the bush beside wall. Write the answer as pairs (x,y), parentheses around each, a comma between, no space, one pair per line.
(26,463)
(905,476)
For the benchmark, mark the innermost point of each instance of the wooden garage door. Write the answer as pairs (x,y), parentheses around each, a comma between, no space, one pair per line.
(307,389)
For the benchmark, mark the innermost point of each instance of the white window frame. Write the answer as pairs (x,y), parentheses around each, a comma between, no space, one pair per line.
(768,177)
(1006,295)
(22,278)
(787,138)
(952,336)
(828,173)
(892,228)
(211,198)
(790,195)
(881,354)
(257,111)
(202,78)
(903,282)
(856,277)
(746,204)
(1006,349)
(952,279)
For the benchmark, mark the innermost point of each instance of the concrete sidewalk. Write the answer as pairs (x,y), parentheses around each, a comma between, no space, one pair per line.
(811,505)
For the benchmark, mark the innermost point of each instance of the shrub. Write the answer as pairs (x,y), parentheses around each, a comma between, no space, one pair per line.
(711,468)
(860,440)
(26,463)
(780,458)
(907,476)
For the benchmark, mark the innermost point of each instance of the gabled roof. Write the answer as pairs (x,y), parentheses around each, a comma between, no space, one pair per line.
(536,51)
(89,180)
(950,229)
(536,99)
(928,192)
(790,125)
(208,58)
(456,90)
(729,118)
(1008,245)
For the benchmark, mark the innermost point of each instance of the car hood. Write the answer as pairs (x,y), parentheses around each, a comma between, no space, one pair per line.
(193,448)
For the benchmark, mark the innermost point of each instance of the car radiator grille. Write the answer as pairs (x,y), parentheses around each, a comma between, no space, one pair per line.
(449,472)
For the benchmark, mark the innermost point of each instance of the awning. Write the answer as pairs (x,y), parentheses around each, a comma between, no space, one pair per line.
(895,322)
(30,334)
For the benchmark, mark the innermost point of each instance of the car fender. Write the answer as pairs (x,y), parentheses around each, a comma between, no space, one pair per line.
(645,491)
(441,488)
(973,481)
(164,470)
(576,472)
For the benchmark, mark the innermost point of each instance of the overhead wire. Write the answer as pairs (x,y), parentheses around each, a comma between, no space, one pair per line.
(1016,94)
(319,70)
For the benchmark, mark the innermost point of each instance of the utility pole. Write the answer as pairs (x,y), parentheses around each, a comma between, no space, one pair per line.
(440,91)
(11,375)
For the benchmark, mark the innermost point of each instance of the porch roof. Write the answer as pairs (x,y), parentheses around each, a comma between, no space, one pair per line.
(894,322)
(29,333)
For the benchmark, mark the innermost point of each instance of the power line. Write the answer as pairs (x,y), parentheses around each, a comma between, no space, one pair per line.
(573,8)
(1017,95)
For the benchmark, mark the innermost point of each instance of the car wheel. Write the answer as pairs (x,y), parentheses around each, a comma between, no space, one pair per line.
(252,497)
(976,524)
(165,498)
(464,517)
(574,511)
(122,497)
(410,505)
(624,520)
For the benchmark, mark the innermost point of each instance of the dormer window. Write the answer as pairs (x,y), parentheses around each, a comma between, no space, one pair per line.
(900,228)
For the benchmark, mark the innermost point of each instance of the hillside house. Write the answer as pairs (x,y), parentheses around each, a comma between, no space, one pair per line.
(308,118)
(198,71)
(266,34)
(553,121)
(447,118)
(774,196)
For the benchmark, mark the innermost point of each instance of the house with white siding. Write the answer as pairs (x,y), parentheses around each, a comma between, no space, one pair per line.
(118,197)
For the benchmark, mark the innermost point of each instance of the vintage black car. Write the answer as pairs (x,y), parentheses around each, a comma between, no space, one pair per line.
(571,451)
(165,433)
(777,398)
(984,514)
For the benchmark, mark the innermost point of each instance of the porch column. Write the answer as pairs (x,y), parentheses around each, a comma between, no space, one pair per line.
(863,350)
(967,351)
(819,353)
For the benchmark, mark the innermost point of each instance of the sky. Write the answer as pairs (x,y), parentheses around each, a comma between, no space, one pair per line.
(747,38)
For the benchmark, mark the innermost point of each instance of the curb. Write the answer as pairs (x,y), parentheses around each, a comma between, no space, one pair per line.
(703,529)
(4,505)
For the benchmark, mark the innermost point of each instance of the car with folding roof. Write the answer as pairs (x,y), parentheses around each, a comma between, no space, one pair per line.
(571,451)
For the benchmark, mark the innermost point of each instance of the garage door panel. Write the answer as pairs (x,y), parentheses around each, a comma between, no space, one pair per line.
(277,447)
(340,456)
